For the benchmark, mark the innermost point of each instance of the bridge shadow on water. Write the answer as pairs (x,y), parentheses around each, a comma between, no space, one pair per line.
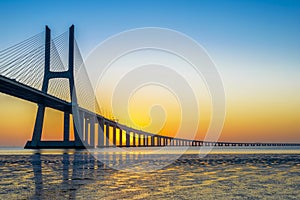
(79,175)
(68,174)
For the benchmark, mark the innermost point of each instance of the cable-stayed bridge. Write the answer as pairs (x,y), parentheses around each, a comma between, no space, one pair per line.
(42,70)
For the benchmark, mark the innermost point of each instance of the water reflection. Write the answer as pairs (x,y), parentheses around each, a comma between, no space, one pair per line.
(68,176)
(81,169)
(78,175)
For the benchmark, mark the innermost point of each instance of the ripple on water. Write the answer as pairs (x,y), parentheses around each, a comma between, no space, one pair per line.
(80,176)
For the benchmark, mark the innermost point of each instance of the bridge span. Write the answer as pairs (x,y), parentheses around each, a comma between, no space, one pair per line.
(91,130)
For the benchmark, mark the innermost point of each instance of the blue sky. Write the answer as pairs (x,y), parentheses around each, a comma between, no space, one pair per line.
(260,27)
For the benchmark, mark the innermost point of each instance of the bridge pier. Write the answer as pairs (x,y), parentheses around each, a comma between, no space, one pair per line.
(37,132)
(107,135)
(92,132)
(120,137)
(86,131)
(148,140)
(145,140)
(101,132)
(66,126)
(127,138)
(152,140)
(114,135)
(81,125)
(133,139)
(139,139)
(48,74)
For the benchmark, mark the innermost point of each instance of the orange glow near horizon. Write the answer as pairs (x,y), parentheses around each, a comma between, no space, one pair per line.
(257,113)
(18,118)
(256,122)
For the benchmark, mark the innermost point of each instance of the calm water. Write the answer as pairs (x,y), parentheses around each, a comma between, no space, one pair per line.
(231,173)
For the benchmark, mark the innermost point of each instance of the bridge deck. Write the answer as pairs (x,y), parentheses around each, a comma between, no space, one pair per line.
(22,91)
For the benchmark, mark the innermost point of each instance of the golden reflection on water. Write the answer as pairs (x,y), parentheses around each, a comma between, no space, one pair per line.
(59,174)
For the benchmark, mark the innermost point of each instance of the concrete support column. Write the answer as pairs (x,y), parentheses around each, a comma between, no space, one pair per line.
(86,131)
(120,137)
(145,140)
(92,132)
(114,135)
(107,135)
(134,139)
(100,132)
(152,140)
(66,127)
(81,128)
(139,139)
(127,138)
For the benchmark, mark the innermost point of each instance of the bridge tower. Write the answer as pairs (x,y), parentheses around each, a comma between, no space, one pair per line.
(48,74)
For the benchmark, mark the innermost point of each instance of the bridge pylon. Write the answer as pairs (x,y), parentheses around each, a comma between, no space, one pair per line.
(36,142)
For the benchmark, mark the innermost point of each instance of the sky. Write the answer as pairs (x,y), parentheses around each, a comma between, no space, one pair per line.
(254,44)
